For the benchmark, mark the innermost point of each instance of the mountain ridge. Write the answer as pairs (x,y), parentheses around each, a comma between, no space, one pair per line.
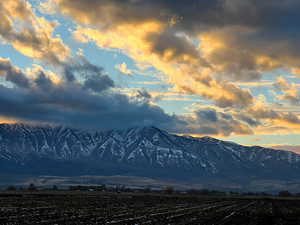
(142,151)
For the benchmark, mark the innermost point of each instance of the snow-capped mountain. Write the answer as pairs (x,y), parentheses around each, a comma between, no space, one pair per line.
(146,151)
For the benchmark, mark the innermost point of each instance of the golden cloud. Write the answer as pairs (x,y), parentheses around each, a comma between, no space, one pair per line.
(189,74)
(199,53)
(29,34)
(124,69)
(290,91)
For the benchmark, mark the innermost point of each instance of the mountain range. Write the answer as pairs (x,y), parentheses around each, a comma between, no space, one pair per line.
(139,151)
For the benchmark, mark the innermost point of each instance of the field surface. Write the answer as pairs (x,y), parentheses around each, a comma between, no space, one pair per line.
(24,208)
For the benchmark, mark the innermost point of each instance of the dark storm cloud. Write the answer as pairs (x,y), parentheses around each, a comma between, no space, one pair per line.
(143,94)
(258,36)
(179,45)
(94,76)
(43,82)
(139,11)
(12,74)
(207,115)
(98,84)
(72,106)
(212,122)
(261,113)
(251,121)
(86,104)
(74,103)
(191,15)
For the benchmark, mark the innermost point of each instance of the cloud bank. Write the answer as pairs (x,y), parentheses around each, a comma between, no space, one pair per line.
(29,34)
(91,102)
(203,47)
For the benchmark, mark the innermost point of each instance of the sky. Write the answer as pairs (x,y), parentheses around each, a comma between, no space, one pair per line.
(223,68)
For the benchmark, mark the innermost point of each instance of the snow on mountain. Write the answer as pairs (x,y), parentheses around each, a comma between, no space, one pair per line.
(27,148)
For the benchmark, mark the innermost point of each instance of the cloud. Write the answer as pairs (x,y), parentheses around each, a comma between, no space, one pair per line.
(182,69)
(13,74)
(241,39)
(258,118)
(85,97)
(210,121)
(95,79)
(170,46)
(153,37)
(207,48)
(272,120)
(75,103)
(124,69)
(29,34)
(289,90)
(201,46)
(293,148)
(143,94)
(251,121)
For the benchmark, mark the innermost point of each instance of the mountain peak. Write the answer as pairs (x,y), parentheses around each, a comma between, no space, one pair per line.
(145,128)
(209,139)
(145,150)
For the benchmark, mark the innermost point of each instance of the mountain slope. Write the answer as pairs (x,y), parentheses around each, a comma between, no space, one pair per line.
(145,151)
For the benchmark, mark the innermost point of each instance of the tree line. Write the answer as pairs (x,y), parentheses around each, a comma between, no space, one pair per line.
(169,190)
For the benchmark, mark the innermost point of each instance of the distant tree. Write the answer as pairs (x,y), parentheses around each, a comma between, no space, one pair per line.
(32,187)
(284,194)
(11,188)
(169,190)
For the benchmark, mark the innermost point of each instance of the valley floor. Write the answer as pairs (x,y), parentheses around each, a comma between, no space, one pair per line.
(74,207)
(71,207)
